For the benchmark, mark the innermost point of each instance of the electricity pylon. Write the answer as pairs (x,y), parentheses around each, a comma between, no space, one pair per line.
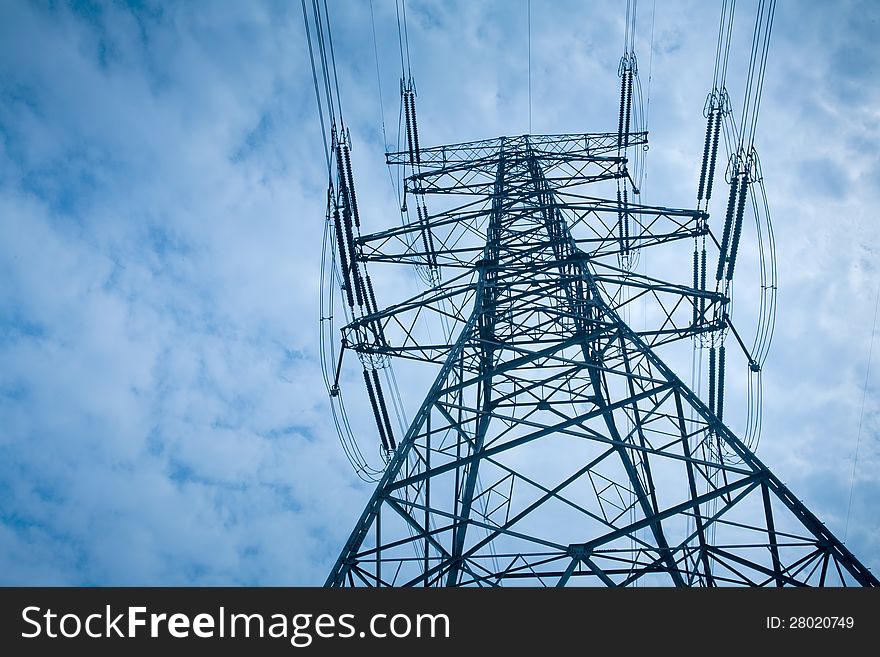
(555,446)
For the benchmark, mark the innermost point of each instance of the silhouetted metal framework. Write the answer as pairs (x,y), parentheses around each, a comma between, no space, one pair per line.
(555,447)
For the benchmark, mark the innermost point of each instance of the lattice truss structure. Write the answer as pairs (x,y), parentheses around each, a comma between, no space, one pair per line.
(555,447)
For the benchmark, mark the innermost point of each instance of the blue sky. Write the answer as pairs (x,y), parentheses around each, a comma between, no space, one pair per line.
(161,203)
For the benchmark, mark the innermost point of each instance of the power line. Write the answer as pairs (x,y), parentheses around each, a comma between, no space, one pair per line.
(333,62)
(322,51)
(403,38)
(378,77)
(530,64)
(861,414)
(400,38)
(650,68)
(317,88)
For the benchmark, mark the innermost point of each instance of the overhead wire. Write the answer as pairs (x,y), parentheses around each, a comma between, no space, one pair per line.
(642,180)
(333,61)
(762,70)
(378,77)
(743,173)
(861,414)
(317,88)
(325,69)
(752,177)
(385,144)
(403,37)
(529,10)
(337,406)
(342,265)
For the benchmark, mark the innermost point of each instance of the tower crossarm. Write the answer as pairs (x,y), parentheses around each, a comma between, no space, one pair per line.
(458,231)
(588,144)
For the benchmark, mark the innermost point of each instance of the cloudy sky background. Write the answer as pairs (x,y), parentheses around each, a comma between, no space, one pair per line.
(162,188)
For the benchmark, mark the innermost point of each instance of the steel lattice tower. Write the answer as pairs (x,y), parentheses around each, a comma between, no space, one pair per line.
(555,447)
